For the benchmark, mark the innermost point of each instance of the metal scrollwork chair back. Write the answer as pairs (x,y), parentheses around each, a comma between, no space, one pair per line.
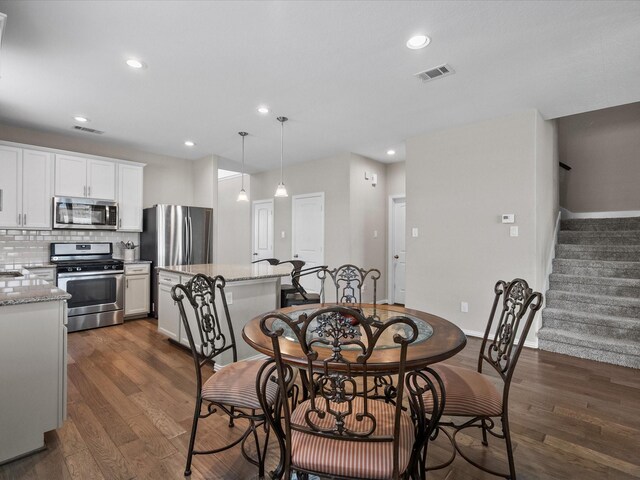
(349,281)
(230,390)
(337,343)
(472,395)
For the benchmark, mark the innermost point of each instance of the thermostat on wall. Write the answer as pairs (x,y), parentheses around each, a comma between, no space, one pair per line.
(508,218)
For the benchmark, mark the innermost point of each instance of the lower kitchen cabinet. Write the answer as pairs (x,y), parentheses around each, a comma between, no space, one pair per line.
(168,313)
(33,375)
(136,290)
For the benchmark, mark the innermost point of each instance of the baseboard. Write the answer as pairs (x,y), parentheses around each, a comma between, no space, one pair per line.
(259,356)
(568,214)
(474,333)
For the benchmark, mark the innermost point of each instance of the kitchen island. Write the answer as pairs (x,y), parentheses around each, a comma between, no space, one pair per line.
(251,289)
(33,361)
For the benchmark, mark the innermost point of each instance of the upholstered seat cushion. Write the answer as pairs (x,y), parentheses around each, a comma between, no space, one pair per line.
(235,385)
(358,459)
(467,393)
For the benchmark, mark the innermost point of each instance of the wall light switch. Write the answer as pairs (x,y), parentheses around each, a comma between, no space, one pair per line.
(508,218)
(414,232)
(282,234)
(464,307)
(375,234)
(513,231)
(374,179)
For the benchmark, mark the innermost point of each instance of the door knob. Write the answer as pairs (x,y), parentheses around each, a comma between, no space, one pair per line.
(295,256)
(255,254)
(396,257)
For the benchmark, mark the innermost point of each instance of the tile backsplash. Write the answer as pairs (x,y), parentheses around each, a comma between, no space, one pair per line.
(25,247)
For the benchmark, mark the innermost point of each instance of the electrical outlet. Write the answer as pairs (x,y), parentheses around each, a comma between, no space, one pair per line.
(464,307)
(229,297)
(513,231)
(375,234)
(414,232)
(282,234)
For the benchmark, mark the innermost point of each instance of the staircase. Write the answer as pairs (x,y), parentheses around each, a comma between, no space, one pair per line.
(593,302)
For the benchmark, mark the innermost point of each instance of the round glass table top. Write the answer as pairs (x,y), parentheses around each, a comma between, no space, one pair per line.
(425,331)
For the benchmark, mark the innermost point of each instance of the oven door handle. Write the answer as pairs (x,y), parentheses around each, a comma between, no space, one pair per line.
(105,274)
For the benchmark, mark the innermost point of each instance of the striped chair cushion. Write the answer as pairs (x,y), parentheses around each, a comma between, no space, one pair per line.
(235,385)
(348,458)
(468,393)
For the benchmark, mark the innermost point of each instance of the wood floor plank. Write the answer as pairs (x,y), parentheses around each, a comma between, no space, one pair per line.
(104,451)
(157,415)
(82,466)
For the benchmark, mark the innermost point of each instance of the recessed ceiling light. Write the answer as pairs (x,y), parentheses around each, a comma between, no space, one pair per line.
(263,110)
(418,41)
(81,119)
(391,152)
(133,63)
(189,143)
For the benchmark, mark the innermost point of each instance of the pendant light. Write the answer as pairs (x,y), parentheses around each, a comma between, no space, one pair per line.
(281,191)
(242,196)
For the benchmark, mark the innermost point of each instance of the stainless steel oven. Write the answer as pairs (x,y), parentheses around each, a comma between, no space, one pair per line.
(95,281)
(84,213)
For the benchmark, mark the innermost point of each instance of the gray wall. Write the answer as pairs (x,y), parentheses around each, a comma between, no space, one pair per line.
(459,181)
(234,222)
(603,149)
(396,178)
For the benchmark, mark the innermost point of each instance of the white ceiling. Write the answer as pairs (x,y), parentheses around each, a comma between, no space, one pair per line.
(339,70)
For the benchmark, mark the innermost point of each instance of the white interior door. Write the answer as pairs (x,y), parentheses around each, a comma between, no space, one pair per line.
(398,250)
(307,227)
(262,230)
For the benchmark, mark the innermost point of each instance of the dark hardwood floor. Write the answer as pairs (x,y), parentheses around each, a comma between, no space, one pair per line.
(131,405)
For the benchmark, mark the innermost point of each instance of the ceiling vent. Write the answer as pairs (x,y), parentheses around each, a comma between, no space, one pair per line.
(87,130)
(433,73)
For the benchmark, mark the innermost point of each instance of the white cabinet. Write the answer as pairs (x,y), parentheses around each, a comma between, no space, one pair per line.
(168,313)
(85,177)
(136,290)
(130,197)
(25,188)
(37,173)
(10,187)
(33,375)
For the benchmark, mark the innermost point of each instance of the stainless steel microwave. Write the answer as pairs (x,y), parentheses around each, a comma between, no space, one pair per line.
(84,213)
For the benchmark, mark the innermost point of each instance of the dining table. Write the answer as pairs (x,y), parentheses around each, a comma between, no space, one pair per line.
(438,339)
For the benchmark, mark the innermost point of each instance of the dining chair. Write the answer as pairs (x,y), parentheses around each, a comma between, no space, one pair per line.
(339,431)
(290,288)
(349,282)
(230,390)
(300,296)
(270,261)
(472,394)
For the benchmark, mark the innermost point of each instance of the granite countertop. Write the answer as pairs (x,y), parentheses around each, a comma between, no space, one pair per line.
(133,262)
(233,273)
(27,289)
(28,265)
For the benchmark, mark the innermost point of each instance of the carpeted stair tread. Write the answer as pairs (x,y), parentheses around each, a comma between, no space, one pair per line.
(586,340)
(619,287)
(598,299)
(613,281)
(591,323)
(606,237)
(595,224)
(594,268)
(584,347)
(628,253)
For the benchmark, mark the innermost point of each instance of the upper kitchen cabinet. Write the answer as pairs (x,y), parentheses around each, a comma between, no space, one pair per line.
(10,187)
(25,188)
(85,177)
(37,176)
(130,197)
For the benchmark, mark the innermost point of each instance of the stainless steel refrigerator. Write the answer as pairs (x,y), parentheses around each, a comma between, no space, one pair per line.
(175,235)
